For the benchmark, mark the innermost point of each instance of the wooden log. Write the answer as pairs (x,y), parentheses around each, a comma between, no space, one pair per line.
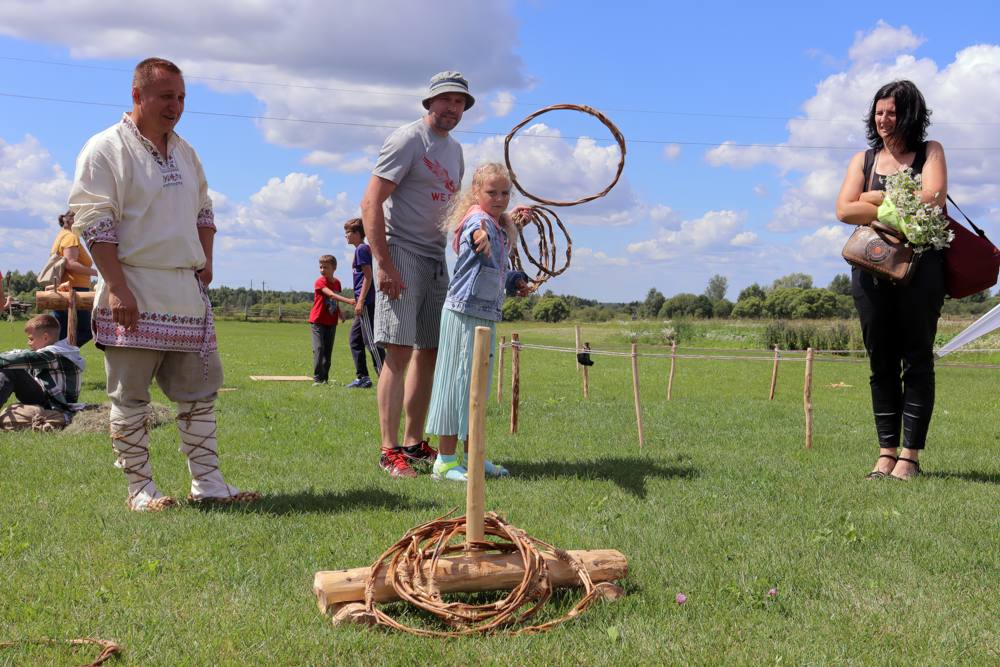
(807,398)
(71,318)
(774,374)
(477,572)
(673,364)
(635,394)
(500,363)
(479,391)
(52,300)
(515,379)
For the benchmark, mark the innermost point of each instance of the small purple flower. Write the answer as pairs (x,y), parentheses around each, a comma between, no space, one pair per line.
(773,593)
(681,598)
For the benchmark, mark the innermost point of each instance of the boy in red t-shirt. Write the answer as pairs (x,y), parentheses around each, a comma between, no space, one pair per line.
(324,316)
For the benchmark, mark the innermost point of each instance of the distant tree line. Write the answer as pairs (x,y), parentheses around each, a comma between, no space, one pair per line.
(789,297)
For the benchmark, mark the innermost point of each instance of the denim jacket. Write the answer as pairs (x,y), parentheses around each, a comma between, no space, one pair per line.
(477,287)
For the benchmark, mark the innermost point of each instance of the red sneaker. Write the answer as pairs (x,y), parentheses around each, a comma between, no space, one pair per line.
(394,462)
(421,453)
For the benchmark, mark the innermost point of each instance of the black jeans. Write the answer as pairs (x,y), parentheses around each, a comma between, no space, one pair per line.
(24,387)
(362,337)
(322,337)
(899,325)
(83,331)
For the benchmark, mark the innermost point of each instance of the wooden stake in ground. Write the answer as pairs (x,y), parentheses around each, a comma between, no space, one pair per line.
(774,374)
(635,394)
(579,366)
(515,379)
(586,374)
(807,398)
(479,391)
(500,360)
(673,362)
(71,318)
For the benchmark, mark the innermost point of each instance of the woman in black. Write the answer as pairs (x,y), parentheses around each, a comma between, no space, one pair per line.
(898,323)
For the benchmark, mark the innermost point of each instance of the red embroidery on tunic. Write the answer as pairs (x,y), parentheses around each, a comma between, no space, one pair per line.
(158,331)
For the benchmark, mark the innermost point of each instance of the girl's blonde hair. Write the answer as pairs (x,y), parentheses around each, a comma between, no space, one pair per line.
(460,203)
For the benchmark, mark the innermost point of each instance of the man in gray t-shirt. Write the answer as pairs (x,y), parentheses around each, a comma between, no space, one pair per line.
(419,168)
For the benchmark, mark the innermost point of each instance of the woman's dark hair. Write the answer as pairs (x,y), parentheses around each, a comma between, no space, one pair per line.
(912,115)
(67,216)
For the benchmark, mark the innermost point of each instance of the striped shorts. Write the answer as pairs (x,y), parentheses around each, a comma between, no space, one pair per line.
(414,319)
(448,413)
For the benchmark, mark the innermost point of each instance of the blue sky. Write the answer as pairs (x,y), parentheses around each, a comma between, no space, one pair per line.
(740,119)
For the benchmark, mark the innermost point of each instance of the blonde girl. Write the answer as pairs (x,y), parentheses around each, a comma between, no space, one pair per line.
(482,235)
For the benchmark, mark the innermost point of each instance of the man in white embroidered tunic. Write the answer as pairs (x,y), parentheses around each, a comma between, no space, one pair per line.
(142,206)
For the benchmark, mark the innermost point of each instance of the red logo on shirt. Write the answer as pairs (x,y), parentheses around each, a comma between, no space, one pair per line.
(441,174)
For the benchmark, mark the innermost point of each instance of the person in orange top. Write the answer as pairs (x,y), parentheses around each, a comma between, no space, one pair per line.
(79,269)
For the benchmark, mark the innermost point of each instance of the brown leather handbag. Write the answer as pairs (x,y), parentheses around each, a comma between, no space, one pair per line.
(882,252)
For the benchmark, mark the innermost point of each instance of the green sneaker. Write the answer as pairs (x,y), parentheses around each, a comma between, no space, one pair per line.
(453,471)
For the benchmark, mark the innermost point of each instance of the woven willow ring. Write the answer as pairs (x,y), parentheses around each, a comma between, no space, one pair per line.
(567,107)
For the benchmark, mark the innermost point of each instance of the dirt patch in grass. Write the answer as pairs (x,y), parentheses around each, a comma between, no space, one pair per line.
(95,420)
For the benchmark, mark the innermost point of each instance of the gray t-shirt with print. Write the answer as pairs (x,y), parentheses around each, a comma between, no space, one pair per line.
(427,170)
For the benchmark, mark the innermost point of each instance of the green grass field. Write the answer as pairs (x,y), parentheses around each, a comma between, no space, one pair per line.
(722,504)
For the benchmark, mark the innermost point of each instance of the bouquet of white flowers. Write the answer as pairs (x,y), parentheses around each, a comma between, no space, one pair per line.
(925,226)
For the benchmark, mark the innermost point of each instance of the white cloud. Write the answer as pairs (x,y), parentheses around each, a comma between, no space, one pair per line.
(353,62)
(289,213)
(503,103)
(30,182)
(671,152)
(560,169)
(743,239)
(714,230)
(831,119)
(825,244)
(881,42)
(588,259)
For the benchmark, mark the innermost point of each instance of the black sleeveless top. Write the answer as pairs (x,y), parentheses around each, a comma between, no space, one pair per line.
(878,183)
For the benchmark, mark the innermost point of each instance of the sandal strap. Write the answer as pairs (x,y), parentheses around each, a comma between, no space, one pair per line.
(888,456)
(909,460)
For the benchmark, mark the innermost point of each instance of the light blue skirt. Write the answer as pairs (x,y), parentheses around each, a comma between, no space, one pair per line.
(449,410)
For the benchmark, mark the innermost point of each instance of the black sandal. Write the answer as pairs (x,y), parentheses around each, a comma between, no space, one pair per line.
(878,474)
(916,473)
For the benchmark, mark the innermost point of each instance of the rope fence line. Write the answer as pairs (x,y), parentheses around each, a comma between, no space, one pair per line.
(785,355)
(809,358)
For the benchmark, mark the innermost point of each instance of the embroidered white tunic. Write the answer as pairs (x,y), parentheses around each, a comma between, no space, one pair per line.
(125,193)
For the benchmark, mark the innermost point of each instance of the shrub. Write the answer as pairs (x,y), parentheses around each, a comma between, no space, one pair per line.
(550,309)
(803,335)
(514,309)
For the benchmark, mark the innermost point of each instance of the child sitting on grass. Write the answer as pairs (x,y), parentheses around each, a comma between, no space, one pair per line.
(482,235)
(324,316)
(48,374)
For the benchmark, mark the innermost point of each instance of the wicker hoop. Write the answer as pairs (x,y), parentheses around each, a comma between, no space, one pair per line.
(429,542)
(542,217)
(567,107)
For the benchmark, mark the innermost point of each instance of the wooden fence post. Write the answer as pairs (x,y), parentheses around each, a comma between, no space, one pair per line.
(500,362)
(635,394)
(71,317)
(774,374)
(586,374)
(673,361)
(807,398)
(479,391)
(515,379)
(579,366)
